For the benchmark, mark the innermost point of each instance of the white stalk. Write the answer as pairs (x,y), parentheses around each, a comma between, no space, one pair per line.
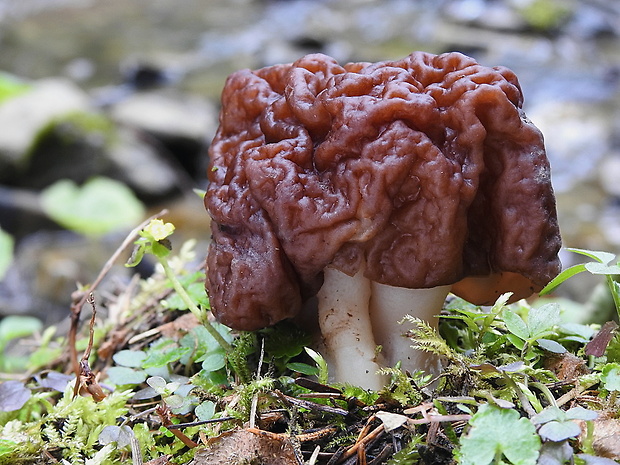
(388,306)
(344,319)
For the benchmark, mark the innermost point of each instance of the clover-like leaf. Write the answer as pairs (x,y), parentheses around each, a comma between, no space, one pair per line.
(157,358)
(497,431)
(205,410)
(557,431)
(121,435)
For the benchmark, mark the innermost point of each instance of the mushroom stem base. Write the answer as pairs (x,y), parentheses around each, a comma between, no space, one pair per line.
(350,348)
(388,307)
(356,315)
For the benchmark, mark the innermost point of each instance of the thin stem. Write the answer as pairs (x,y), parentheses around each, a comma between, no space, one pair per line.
(613,287)
(198,313)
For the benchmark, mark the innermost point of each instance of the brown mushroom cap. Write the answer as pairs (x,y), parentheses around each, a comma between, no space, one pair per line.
(425,169)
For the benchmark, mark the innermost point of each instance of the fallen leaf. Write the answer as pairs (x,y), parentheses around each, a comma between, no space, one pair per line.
(13,395)
(391,421)
(242,447)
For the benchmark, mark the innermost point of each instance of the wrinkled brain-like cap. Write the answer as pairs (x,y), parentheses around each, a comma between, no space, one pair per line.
(426,170)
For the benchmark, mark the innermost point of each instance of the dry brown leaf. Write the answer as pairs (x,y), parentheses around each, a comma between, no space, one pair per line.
(241,447)
(607,438)
(566,366)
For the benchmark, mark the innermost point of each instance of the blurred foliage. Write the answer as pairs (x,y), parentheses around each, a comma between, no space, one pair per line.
(99,206)
(6,252)
(10,87)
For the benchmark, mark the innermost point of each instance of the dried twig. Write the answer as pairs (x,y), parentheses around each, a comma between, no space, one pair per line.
(81,297)
(164,414)
(311,405)
(363,442)
(86,381)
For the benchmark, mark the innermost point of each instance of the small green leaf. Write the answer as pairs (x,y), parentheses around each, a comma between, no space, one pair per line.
(214,361)
(599,268)
(158,383)
(550,413)
(160,358)
(559,430)
(303,368)
(551,346)
(321,364)
(563,276)
(129,358)
(121,435)
(125,375)
(599,256)
(516,341)
(101,205)
(174,401)
(496,431)
(580,413)
(205,410)
(541,320)
(516,325)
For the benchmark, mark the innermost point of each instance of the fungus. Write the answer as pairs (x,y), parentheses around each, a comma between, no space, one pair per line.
(377,187)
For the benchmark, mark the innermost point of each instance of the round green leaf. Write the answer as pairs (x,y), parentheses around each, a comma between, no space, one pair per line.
(101,205)
(129,358)
(205,410)
(557,431)
(125,375)
(157,382)
(213,361)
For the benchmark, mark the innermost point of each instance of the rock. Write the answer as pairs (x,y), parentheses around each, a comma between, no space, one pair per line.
(167,115)
(140,163)
(23,116)
(82,145)
(182,124)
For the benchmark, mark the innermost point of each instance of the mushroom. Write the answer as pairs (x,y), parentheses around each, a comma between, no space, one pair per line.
(378,188)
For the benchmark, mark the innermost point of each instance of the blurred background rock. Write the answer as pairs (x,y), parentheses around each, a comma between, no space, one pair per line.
(129,90)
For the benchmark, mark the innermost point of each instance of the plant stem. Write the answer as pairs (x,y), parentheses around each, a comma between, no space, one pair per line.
(613,287)
(198,313)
